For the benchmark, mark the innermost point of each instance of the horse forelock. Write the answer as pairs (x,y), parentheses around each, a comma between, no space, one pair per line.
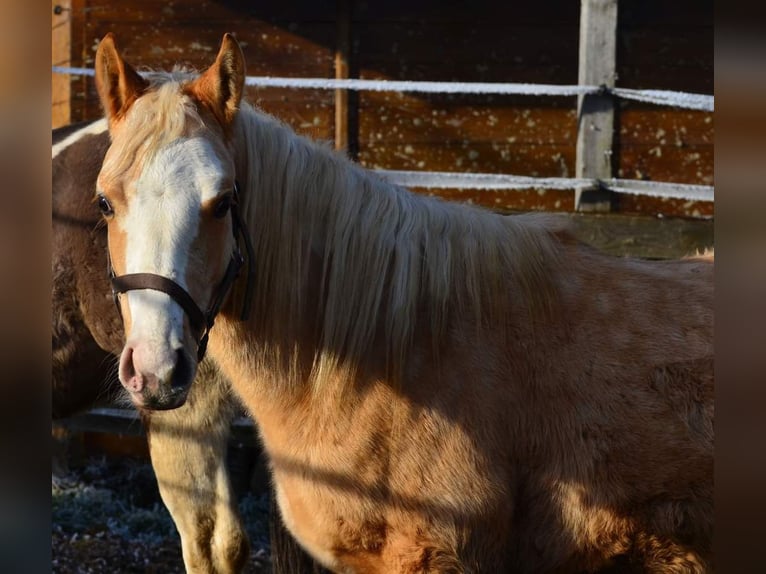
(161,115)
(388,257)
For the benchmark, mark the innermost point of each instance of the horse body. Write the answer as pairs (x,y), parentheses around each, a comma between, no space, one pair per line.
(551,447)
(438,388)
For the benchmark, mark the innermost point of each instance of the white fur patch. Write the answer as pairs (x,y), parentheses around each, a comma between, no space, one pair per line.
(161,225)
(95,128)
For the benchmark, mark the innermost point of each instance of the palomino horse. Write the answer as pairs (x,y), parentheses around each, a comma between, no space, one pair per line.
(187,446)
(438,388)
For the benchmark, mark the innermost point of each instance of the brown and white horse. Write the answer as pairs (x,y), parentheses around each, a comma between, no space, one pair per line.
(438,388)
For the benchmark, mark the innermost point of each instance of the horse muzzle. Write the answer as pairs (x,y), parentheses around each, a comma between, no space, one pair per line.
(157,375)
(156,382)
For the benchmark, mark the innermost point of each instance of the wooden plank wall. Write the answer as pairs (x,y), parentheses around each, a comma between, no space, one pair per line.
(667,46)
(493,42)
(61,55)
(660,45)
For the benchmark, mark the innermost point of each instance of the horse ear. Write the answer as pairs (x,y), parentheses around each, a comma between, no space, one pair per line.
(221,86)
(118,84)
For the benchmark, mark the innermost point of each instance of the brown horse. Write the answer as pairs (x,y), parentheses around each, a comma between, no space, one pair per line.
(439,388)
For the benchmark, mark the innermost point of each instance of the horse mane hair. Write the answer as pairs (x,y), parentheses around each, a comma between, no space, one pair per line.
(388,256)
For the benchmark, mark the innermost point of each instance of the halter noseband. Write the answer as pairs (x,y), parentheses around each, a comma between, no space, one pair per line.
(200,322)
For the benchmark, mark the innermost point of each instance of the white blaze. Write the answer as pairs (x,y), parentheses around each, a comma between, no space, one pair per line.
(160,226)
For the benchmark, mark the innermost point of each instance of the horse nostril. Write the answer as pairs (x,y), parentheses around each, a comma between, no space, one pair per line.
(182,371)
(127,368)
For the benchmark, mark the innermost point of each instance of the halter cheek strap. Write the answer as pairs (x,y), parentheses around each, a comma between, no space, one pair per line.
(200,322)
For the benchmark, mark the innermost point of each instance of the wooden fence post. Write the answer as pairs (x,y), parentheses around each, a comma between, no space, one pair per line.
(344,100)
(595,112)
(61,55)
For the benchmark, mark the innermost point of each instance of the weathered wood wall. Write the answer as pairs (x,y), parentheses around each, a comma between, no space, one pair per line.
(669,46)
(660,45)
(61,55)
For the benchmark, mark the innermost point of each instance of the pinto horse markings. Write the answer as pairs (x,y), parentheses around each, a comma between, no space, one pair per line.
(438,388)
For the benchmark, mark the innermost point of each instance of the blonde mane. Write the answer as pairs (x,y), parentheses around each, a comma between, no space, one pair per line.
(388,257)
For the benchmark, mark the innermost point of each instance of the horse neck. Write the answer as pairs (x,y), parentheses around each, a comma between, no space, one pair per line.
(345,260)
(288,185)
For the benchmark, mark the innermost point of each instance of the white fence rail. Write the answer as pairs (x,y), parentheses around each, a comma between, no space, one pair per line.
(660,97)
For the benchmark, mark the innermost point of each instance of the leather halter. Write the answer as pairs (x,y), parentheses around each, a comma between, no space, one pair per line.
(200,322)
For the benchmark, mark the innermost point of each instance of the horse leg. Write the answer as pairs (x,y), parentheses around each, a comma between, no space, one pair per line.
(188,451)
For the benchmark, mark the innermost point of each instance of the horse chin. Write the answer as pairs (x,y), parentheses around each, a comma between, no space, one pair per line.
(160,400)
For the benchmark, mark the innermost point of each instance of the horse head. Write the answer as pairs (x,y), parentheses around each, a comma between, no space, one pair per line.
(167,191)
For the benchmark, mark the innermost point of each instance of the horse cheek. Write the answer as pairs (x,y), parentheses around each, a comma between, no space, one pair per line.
(117,247)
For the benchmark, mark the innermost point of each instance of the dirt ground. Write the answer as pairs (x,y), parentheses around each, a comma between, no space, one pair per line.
(108,518)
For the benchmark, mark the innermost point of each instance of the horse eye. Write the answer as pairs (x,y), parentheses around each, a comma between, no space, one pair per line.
(105,206)
(222,207)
